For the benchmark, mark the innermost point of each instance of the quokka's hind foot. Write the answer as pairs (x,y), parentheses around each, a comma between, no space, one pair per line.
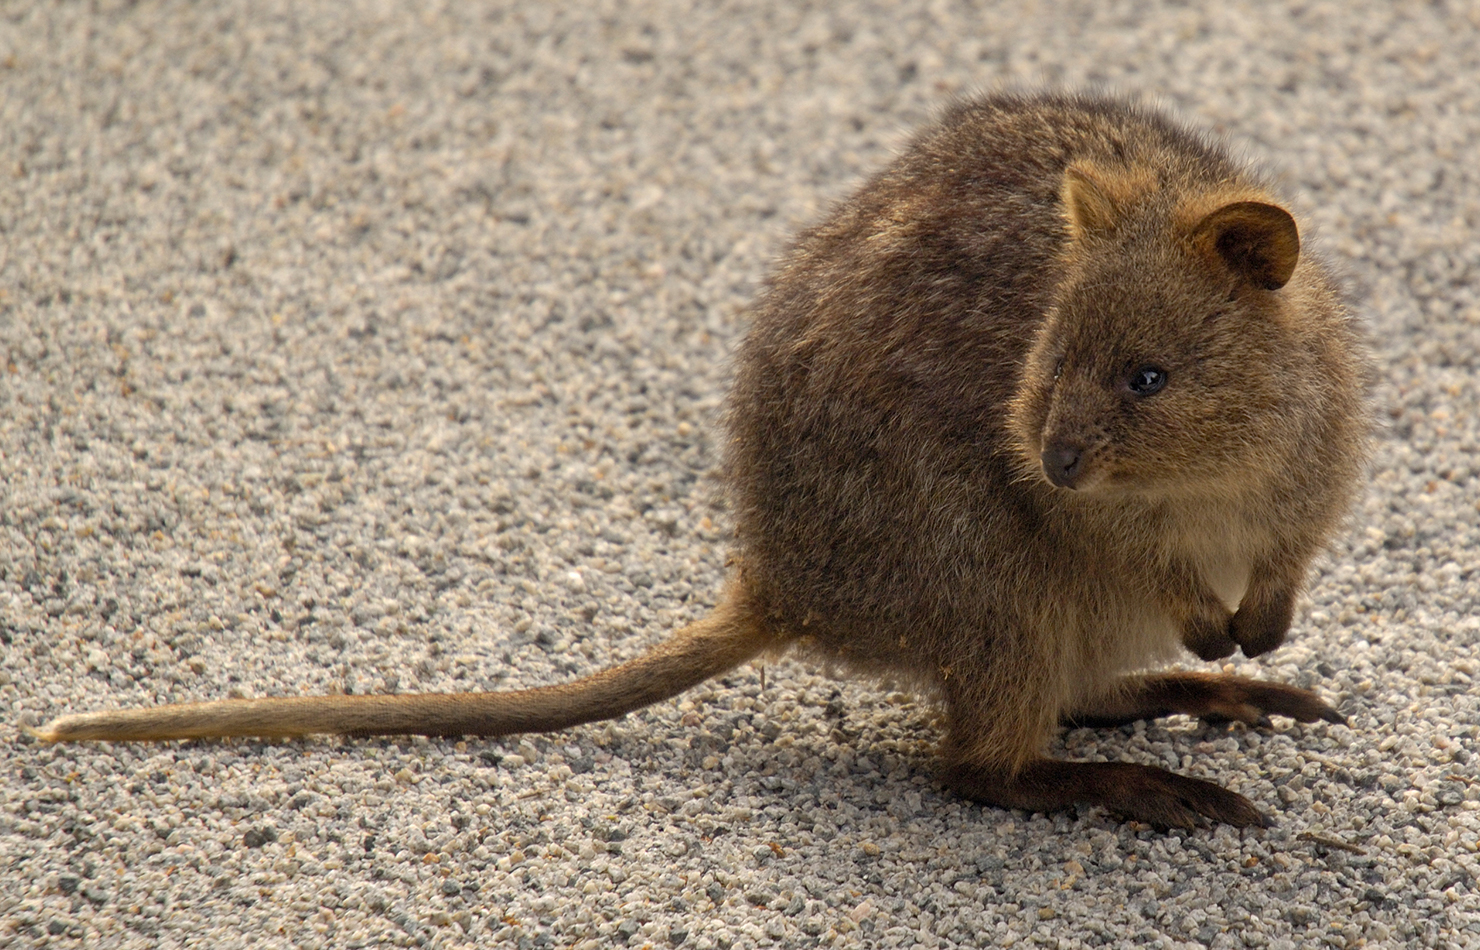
(1141,792)
(1214,696)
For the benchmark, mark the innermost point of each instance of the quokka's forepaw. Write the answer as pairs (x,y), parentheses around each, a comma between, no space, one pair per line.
(1262,622)
(1209,634)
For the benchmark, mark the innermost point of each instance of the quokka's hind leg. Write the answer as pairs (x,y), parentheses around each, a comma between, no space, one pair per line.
(993,754)
(1214,696)
(1142,792)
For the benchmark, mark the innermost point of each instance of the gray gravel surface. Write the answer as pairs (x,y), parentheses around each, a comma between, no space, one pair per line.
(378,346)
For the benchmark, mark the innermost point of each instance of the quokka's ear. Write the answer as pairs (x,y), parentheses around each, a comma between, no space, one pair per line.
(1259,242)
(1096,199)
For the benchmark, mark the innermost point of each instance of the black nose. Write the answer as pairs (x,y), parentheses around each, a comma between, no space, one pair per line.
(1063,463)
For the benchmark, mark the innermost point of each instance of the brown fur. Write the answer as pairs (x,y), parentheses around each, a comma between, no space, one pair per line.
(941,471)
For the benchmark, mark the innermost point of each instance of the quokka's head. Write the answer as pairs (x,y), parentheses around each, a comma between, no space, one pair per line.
(1161,364)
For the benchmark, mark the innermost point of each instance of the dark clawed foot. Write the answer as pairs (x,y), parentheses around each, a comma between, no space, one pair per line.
(1213,696)
(1140,792)
(1168,800)
(1253,702)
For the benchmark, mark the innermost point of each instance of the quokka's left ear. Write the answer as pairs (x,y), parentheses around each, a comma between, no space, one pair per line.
(1259,242)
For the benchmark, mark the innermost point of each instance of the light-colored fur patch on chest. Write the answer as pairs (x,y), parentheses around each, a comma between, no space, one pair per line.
(1228,576)
(1219,542)
(1127,635)
(1127,632)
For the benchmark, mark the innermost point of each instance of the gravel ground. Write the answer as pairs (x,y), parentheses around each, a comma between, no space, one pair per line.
(373,346)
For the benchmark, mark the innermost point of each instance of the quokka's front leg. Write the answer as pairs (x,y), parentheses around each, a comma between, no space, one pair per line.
(1205,622)
(1207,629)
(1261,622)
(1263,618)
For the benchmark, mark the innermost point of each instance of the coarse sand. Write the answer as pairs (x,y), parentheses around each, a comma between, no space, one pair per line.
(374,346)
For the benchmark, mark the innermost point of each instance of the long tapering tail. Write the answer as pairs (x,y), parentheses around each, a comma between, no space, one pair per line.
(721,641)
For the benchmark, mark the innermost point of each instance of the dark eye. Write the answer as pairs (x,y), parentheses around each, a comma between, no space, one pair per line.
(1058,368)
(1147,380)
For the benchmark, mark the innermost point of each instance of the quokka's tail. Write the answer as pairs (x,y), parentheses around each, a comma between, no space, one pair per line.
(726,638)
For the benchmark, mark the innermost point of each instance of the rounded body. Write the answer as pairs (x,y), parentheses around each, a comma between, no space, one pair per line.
(1054,394)
(972,310)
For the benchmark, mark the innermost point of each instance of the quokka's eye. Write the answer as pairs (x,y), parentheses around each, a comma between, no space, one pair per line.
(1058,368)
(1147,380)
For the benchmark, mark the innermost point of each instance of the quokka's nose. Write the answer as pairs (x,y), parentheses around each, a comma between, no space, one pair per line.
(1063,463)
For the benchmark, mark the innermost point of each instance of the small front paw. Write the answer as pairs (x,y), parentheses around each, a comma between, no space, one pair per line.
(1209,637)
(1261,622)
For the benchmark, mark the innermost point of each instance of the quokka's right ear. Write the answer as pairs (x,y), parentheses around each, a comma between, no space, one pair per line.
(1096,200)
